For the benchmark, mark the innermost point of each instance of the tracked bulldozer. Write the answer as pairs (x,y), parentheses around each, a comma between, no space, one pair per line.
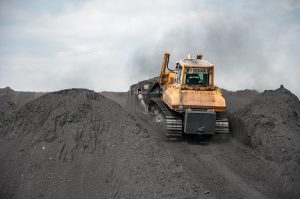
(187,98)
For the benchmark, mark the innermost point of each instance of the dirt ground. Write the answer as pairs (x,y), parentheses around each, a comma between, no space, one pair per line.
(79,144)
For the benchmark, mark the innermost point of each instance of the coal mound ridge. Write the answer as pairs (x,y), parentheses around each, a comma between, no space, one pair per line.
(238,99)
(270,124)
(78,144)
(11,100)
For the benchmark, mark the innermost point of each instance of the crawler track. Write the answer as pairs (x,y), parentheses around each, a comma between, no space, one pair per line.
(174,121)
(222,124)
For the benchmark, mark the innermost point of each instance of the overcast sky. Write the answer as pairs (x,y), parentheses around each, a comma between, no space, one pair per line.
(111,44)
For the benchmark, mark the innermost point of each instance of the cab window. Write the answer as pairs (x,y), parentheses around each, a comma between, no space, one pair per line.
(197,79)
(179,73)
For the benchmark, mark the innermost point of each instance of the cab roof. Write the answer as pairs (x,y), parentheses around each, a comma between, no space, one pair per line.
(195,63)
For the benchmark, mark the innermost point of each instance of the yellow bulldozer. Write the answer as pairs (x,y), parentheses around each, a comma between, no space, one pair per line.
(187,98)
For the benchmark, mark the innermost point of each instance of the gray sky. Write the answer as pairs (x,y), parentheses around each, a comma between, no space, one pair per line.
(111,44)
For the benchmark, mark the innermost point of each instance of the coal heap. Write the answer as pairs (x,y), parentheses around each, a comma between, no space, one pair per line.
(76,143)
(11,100)
(270,124)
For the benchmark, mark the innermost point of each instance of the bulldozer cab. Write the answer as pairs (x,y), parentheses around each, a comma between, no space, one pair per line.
(195,73)
(189,74)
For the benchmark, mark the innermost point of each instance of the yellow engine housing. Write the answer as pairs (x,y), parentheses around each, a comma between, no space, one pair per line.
(180,100)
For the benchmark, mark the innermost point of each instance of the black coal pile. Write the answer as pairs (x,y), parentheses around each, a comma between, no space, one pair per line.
(140,84)
(10,99)
(119,97)
(270,124)
(238,99)
(78,144)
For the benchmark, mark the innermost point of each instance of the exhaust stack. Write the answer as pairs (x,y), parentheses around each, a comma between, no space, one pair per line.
(164,65)
(199,56)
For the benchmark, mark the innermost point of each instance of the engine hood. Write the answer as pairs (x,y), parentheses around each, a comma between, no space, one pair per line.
(178,99)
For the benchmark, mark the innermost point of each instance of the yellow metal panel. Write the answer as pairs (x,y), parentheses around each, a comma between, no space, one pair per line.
(174,97)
